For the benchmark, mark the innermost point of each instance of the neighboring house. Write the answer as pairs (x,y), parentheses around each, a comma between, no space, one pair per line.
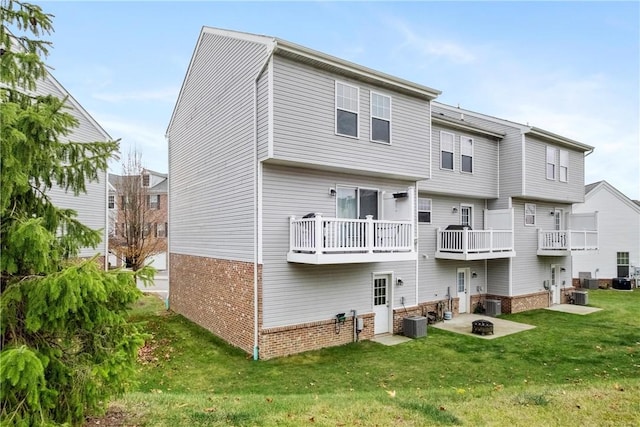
(154,191)
(92,206)
(619,227)
(308,192)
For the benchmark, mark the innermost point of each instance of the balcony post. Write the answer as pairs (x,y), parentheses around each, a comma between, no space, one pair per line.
(292,232)
(317,234)
(369,233)
(491,249)
(568,234)
(438,239)
(465,240)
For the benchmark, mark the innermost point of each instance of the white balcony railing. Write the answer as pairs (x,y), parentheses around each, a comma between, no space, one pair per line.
(337,236)
(474,244)
(567,240)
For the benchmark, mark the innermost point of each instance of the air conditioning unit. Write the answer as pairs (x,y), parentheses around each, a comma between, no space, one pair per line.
(581,297)
(591,283)
(494,307)
(414,326)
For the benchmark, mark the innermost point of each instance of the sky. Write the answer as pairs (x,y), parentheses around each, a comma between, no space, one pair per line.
(572,68)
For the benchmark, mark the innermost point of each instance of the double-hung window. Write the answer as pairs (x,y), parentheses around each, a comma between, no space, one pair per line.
(551,162)
(564,165)
(622,259)
(529,214)
(112,201)
(380,118)
(446,150)
(424,210)
(347,109)
(466,154)
(153,201)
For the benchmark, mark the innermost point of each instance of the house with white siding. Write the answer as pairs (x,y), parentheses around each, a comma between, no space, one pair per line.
(91,207)
(315,202)
(618,254)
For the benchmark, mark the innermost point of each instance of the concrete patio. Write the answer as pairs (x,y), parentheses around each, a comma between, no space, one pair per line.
(573,309)
(462,324)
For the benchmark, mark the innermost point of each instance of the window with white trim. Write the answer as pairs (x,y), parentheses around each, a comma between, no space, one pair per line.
(112,201)
(529,214)
(146,180)
(466,154)
(153,201)
(551,162)
(446,150)
(347,109)
(622,260)
(424,210)
(380,118)
(564,165)
(161,228)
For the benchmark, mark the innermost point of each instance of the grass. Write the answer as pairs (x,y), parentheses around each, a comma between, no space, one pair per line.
(570,370)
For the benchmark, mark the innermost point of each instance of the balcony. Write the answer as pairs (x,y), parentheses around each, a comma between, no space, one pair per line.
(566,242)
(469,244)
(319,240)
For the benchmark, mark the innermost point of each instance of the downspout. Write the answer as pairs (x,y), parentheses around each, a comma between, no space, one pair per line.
(417,241)
(168,234)
(524,166)
(256,202)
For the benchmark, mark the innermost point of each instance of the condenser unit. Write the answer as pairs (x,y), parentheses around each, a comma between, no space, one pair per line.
(581,297)
(414,326)
(494,307)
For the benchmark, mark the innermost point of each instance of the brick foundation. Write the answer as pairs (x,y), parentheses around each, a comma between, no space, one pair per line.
(216,294)
(286,340)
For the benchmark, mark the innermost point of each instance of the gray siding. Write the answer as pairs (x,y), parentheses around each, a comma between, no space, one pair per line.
(263,116)
(304,129)
(92,206)
(483,182)
(529,269)
(436,275)
(498,276)
(538,186)
(294,293)
(211,151)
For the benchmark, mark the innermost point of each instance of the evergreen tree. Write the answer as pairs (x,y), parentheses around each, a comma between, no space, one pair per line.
(65,344)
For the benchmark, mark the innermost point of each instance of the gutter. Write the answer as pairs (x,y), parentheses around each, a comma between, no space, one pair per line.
(256,203)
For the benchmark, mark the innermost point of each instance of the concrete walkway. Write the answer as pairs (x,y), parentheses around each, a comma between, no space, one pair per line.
(461,324)
(388,339)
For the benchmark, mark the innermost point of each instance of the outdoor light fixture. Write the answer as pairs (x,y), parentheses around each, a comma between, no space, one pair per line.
(332,191)
(399,282)
(454,209)
(551,213)
(474,274)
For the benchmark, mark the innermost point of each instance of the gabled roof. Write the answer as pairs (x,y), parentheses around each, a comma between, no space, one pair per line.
(591,189)
(317,59)
(115,180)
(524,129)
(459,123)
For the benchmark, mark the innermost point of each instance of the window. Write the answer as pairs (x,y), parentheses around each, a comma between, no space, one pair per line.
(529,214)
(380,118)
(112,202)
(357,202)
(551,163)
(161,229)
(347,108)
(145,180)
(564,165)
(446,150)
(424,210)
(466,216)
(153,201)
(466,154)
(623,264)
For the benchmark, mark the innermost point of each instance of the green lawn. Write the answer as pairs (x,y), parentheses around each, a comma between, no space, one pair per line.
(570,370)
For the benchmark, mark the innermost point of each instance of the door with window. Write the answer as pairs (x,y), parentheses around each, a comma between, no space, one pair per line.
(356,202)
(466,215)
(558,225)
(381,303)
(463,289)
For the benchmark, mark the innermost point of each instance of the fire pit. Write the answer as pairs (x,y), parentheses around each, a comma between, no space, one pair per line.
(481,327)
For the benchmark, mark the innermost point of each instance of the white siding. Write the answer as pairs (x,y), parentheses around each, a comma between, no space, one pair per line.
(92,206)
(498,276)
(537,186)
(529,269)
(436,275)
(211,146)
(483,182)
(618,231)
(263,116)
(295,293)
(304,129)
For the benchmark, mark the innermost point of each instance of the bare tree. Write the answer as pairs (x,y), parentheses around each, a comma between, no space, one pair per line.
(133,236)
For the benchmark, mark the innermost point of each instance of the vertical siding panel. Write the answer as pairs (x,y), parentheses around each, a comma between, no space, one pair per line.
(211,151)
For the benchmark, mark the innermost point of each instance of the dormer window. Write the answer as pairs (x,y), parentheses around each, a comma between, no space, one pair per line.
(146,179)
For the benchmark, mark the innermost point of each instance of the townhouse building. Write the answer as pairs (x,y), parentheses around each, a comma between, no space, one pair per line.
(315,202)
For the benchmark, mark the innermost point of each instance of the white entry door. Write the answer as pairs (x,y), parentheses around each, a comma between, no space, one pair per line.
(381,303)
(463,290)
(555,286)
